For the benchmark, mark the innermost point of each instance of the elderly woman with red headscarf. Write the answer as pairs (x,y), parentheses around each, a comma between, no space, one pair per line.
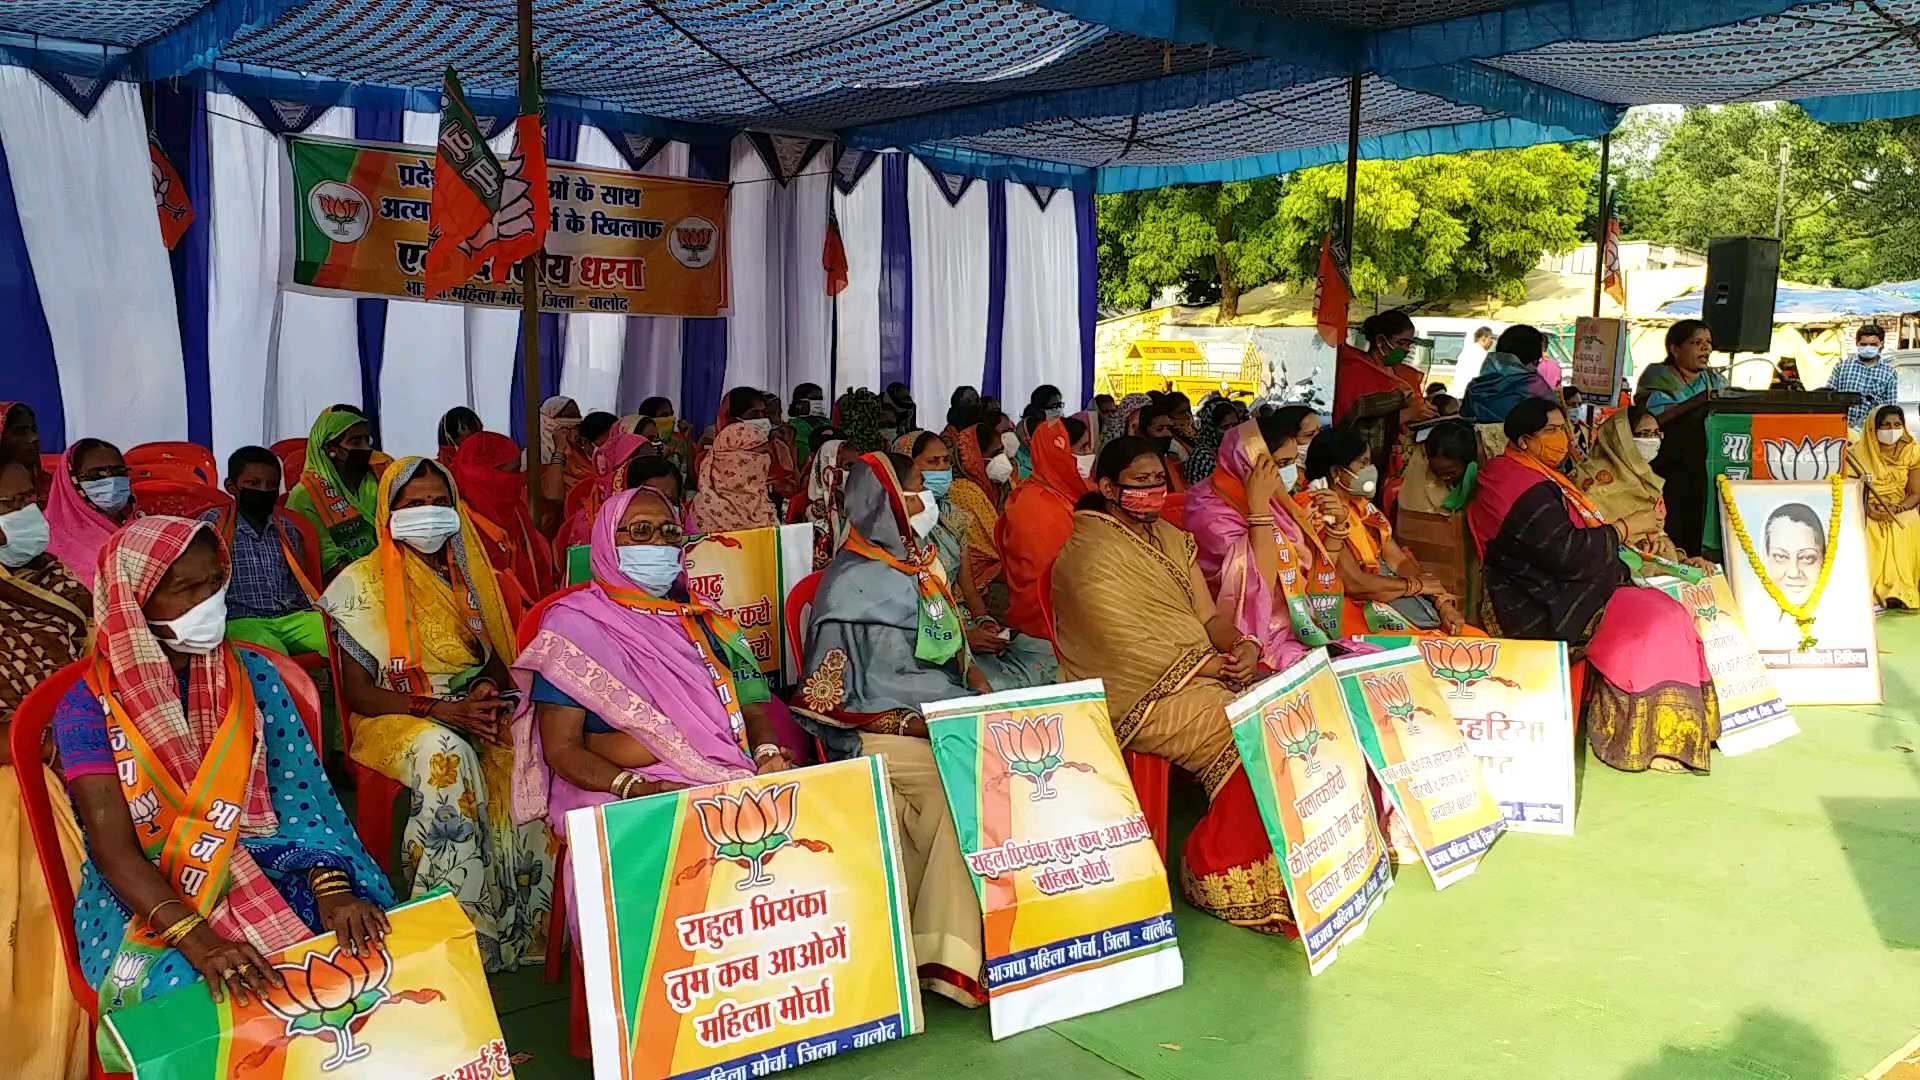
(486,465)
(1038,518)
(213,835)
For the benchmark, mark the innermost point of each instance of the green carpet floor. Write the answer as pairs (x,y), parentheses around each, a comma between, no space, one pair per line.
(1761,923)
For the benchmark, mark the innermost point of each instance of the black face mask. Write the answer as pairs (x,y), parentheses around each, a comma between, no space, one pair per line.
(255,504)
(357,461)
(1164,443)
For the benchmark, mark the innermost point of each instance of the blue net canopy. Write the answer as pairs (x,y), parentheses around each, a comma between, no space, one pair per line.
(1810,303)
(1113,93)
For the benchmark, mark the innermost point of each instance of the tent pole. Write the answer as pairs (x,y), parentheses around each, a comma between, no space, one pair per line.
(530,307)
(1600,233)
(1353,163)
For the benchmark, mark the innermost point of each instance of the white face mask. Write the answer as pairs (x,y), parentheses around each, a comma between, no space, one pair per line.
(1000,469)
(653,567)
(1887,437)
(1648,445)
(1010,443)
(201,629)
(425,528)
(109,494)
(1289,476)
(760,424)
(26,531)
(924,519)
(1084,462)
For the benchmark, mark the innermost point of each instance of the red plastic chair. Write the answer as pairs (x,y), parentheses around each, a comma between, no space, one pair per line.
(29,731)
(799,599)
(196,459)
(170,471)
(187,498)
(293,460)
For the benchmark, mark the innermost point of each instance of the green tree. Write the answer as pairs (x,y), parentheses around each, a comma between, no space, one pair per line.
(1431,227)
(1852,190)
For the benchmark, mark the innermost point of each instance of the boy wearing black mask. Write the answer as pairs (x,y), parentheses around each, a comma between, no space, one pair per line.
(270,591)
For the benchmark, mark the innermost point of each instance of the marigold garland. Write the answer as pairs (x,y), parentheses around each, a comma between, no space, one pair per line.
(1802,614)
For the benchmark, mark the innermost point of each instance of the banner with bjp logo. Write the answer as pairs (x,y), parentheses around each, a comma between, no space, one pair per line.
(744,928)
(357,223)
(1073,894)
(1513,703)
(417,1005)
(1752,715)
(1309,777)
(1415,748)
(1768,446)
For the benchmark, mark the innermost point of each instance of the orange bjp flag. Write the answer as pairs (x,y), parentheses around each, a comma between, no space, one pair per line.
(169,196)
(483,210)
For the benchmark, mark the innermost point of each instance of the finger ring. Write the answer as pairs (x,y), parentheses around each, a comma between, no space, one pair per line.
(244,968)
(228,974)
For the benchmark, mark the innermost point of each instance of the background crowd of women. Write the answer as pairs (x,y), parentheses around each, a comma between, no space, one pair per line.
(1177,553)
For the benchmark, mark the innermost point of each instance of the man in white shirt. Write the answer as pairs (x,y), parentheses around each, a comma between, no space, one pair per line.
(1467,365)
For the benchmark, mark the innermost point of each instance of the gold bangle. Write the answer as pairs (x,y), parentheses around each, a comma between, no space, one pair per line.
(175,934)
(156,908)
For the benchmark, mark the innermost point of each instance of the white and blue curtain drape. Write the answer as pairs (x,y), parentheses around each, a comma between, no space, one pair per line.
(951,281)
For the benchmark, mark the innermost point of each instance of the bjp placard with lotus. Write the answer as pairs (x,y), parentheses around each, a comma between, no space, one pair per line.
(1076,916)
(1415,748)
(417,1005)
(1752,716)
(1513,705)
(1310,779)
(744,928)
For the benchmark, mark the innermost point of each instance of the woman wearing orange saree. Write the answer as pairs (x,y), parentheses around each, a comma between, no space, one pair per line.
(1039,518)
(1386,592)
(1132,609)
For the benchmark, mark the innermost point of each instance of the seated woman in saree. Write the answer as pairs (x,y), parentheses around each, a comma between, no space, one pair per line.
(884,639)
(1440,472)
(739,472)
(1132,609)
(336,490)
(1553,572)
(1885,455)
(423,639)
(20,444)
(825,504)
(487,466)
(629,692)
(1617,475)
(455,425)
(1386,590)
(1038,518)
(610,461)
(46,617)
(92,498)
(177,735)
(1268,570)
(1010,660)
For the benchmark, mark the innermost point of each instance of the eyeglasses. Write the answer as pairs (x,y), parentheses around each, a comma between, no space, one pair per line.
(646,532)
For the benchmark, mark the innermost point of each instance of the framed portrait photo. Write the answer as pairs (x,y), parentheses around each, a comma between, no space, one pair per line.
(1779,539)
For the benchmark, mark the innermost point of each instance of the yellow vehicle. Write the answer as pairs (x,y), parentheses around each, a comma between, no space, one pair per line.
(1178,364)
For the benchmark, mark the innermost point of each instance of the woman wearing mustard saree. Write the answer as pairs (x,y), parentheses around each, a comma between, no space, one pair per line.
(1132,609)
(1885,454)
(424,638)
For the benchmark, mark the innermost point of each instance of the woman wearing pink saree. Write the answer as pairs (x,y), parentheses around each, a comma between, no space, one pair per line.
(629,692)
(1281,588)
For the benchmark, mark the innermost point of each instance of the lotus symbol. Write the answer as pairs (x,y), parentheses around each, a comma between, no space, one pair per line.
(1390,694)
(1295,729)
(1461,663)
(1700,599)
(126,970)
(748,828)
(1808,459)
(342,210)
(145,810)
(1033,748)
(694,239)
(329,994)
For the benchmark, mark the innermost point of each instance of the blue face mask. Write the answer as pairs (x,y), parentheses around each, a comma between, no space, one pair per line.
(109,493)
(1867,352)
(652,567)
(938,481)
